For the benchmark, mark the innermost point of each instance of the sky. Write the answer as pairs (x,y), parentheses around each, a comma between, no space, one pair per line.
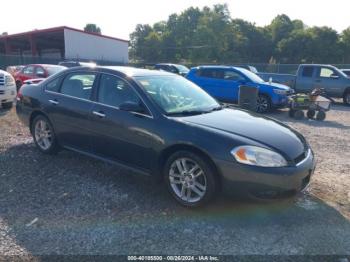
(119,18)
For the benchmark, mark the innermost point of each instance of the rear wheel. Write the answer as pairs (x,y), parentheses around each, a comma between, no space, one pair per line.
(7,105)
(44,135)
(190,179)
(346,98)
(263,104)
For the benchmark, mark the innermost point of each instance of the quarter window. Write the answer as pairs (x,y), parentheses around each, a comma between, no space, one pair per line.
(113,91)
(78,85)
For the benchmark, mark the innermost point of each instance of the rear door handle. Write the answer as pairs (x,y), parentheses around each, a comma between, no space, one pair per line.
(99,114)
(54,102)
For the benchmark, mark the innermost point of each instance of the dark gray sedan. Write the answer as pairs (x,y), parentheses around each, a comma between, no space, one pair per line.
(160,124)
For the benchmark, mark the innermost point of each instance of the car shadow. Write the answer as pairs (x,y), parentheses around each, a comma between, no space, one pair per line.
(4,111)
(71,204)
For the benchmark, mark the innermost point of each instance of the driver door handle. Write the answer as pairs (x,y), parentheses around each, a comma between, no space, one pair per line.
(99,114)
(54,102)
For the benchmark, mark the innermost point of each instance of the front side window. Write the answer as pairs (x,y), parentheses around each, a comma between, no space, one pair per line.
(113,91)
(231,75)
(78,85)
(326,72)
(176,95)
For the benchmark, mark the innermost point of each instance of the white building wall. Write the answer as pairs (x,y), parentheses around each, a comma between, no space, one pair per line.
(79,45)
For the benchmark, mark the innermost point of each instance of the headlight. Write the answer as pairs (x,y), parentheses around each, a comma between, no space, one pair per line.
(280,91)
(9,81)
(258,156)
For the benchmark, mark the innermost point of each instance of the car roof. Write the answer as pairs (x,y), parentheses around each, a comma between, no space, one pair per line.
(126,70)
(217,67)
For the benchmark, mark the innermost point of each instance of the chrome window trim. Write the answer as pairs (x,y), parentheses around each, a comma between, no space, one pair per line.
(150,115)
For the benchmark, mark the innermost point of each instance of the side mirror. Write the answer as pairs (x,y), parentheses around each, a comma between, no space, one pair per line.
(132,107)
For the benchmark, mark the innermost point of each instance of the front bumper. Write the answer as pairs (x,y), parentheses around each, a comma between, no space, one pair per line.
(239,178)
(7,95)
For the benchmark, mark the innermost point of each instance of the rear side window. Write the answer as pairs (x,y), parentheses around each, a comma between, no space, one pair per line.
(29,70)
(308,71)
(209,73)
(113,91)
(78,85)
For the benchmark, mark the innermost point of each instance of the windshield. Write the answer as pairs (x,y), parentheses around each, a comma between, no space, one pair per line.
(177,95)
(54,69)
(182,69)
(253,77)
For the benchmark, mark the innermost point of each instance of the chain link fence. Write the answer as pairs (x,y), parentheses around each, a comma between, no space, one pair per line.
(11,60)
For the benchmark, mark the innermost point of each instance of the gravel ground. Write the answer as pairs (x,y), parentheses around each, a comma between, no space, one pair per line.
(71,204)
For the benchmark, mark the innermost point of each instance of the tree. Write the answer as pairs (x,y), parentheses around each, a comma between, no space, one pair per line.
(210,35)
(92,28)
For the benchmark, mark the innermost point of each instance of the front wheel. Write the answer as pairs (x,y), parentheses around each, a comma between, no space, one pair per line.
(44,135)
(190,180)
(263,104)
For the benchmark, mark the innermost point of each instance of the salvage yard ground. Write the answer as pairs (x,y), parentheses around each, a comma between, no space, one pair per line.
(71,204)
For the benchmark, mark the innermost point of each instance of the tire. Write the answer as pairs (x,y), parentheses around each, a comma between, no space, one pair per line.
(320,116)
(291,113)
(346,98)
(263,104)
(18,84)
(190,189)
(44,135)
(299,114)
(7,105)
(310,114)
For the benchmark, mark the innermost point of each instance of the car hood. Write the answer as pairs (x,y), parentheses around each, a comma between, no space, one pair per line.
(260,129)
(276,85)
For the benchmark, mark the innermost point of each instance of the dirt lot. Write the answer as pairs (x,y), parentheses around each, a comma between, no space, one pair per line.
(71,204)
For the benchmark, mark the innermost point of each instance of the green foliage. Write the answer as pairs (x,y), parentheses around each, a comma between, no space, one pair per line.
(92,28)
(210,35)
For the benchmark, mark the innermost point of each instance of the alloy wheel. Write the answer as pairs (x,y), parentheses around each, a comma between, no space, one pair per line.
(187,180)
(262,104)
(43,134)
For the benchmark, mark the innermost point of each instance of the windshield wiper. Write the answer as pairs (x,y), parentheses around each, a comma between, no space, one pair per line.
(188,112)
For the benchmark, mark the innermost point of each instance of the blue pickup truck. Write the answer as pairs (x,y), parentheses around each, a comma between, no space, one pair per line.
(223,82)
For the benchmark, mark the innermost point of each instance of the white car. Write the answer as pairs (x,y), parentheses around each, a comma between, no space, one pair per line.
(7,89)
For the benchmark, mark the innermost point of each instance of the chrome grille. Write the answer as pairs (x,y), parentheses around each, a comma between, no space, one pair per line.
(2,80)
